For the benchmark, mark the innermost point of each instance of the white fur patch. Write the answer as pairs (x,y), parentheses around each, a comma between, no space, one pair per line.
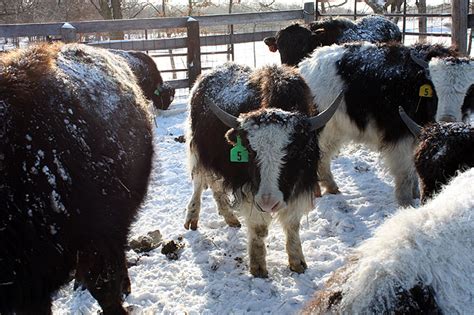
(451,81)
(433,244)
(269,142)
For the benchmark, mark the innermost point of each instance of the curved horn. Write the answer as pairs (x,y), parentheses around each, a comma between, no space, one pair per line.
(415,129)
(319,121)
(419,61)
(228,119)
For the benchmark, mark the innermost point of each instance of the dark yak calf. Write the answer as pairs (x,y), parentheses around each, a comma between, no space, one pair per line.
(296,42)
(75,158)
(148,77)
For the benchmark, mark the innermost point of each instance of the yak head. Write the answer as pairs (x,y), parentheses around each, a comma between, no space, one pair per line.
(281,150)
(452,79)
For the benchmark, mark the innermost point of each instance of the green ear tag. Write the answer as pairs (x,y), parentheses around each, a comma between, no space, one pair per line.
(157,92)
(239,153)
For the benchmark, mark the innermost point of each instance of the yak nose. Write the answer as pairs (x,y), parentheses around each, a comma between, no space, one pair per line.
(268,203)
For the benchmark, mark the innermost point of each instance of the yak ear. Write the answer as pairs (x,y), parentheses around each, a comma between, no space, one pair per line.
(231,136)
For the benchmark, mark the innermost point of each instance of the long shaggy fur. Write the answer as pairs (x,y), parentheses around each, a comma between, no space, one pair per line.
(418,262)
(75,157)
(444,149)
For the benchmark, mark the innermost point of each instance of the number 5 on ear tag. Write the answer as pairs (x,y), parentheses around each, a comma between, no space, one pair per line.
(426,91)
(239,153)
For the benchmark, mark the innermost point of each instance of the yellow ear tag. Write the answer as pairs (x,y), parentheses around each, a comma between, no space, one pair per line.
(426,91)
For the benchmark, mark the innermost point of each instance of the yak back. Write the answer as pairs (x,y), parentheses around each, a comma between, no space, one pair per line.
(381,77)
(237,89)
(76,149)
(444,150)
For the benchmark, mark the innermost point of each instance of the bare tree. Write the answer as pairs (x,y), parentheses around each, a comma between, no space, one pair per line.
(110,10)
(375,6)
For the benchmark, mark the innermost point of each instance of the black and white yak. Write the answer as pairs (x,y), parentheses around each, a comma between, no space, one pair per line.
(418,262)
(148,77)
(377,79)
(443,150)
(75,158)
(266,118)
(296,42)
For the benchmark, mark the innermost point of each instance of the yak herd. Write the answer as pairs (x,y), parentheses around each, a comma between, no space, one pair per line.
(76,154)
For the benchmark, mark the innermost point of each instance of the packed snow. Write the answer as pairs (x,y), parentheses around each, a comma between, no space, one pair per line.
(211,273)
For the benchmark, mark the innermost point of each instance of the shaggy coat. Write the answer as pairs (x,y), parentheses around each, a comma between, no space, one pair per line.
(444,149)
(75,157)
(377,79)
(296,42)
(148,77)
(273,105)
(418,262)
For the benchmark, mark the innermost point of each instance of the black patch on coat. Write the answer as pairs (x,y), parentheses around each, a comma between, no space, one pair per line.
(379,79)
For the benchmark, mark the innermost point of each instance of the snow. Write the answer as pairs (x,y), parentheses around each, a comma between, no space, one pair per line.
(211,275)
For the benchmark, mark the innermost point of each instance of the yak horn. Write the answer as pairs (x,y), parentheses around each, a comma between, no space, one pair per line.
(415,129)
(228,119)
(319,121)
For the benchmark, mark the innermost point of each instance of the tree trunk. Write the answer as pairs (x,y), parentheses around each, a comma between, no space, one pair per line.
(421,5)
(378,9)
(170,51)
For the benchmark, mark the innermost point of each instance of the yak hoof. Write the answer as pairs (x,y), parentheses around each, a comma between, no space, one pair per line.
(233,222)
(193,224)
(299,267)
(259,272)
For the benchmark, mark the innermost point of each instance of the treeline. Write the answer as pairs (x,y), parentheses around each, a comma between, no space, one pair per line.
(37,11)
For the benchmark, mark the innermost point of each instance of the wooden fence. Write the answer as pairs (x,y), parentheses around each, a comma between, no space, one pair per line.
(193,42)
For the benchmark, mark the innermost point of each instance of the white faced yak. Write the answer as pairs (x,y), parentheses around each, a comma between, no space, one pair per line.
(75,158)
(254,134)
(296,42)
(418,262)
(377,79)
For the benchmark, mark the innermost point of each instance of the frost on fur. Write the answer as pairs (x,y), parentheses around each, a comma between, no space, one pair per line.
(417,261)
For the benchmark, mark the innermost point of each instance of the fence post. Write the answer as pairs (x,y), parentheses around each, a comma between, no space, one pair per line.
(308,12)
(194,50)
(459,11)
(68,33)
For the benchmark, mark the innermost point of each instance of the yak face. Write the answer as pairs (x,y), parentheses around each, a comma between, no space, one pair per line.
(272,138)
(163,95)
(294,42)
(452,78)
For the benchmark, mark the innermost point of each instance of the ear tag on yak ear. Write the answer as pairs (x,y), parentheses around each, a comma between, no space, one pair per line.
(157,92)
(239,153)
(426,91)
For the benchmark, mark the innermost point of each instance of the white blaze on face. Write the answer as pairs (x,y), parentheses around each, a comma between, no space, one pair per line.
(269,141)
(451,81)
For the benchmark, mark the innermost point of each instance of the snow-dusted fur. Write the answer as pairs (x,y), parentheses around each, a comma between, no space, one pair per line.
(296,42)
(378,78)
(273,105)
(443,150)
(428,250)
(75,157)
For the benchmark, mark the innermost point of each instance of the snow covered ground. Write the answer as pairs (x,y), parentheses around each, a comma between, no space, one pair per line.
(211,275)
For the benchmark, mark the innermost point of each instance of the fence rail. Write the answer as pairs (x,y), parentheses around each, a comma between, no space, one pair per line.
(193,42)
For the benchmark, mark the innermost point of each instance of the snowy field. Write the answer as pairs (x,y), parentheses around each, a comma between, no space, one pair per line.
(211,275)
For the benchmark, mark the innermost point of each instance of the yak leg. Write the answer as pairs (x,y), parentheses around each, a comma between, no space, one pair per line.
(223,204)
(328,145)
(106,277)
(257,231)
(400,163)
(194,205)
(290,221)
